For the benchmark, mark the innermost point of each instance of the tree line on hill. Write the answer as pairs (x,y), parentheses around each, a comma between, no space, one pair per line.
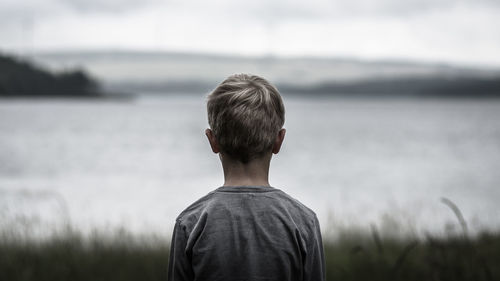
(21,78)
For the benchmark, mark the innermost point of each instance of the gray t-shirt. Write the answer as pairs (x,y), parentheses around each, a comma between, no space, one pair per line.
(249,233)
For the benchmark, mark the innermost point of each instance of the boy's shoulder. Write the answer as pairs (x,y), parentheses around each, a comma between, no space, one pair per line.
(194,209)
(226,197)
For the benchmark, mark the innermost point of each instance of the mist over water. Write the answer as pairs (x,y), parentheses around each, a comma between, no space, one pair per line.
(138,163)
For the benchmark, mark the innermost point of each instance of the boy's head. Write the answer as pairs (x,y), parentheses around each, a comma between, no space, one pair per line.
(246,114)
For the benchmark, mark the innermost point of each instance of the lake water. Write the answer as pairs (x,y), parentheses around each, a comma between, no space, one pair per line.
(137,164)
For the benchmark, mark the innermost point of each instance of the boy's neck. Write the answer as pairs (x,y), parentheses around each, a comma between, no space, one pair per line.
(253,173)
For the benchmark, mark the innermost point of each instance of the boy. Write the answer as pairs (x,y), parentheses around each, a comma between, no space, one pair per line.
(246,229)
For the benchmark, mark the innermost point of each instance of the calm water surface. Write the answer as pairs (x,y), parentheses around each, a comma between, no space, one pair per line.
(137,164)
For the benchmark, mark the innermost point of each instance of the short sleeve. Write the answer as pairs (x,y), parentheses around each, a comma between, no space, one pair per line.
(179,263)
(314,262)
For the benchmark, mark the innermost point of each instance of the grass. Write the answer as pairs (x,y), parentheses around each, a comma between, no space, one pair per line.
(353,255)
(72,257)
(444,258)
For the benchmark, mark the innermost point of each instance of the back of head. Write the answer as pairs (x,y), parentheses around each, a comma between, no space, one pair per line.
(245,112)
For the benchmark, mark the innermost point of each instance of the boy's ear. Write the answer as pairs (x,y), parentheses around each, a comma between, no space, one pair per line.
(279,140)
(212,140)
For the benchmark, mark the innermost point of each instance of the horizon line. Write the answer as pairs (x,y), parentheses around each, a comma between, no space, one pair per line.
(235,55)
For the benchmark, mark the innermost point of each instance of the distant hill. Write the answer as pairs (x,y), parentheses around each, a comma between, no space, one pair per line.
(465,86)
(170,72)
(21,78)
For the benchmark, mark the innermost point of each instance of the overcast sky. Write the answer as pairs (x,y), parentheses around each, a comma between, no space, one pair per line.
(453,31)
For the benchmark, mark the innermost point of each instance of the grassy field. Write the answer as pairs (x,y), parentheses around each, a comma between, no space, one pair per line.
(445,258)
(352,257)
(73,257)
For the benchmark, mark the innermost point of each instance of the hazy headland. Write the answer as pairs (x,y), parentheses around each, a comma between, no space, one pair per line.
(22,77)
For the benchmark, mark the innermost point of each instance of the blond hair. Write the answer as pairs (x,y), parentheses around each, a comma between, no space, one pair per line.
(245,113)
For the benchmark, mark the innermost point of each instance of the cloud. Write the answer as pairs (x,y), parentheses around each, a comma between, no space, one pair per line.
(341,9)
(269,10)
(449,30)
(12,10)
(108,6)
(20,10)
